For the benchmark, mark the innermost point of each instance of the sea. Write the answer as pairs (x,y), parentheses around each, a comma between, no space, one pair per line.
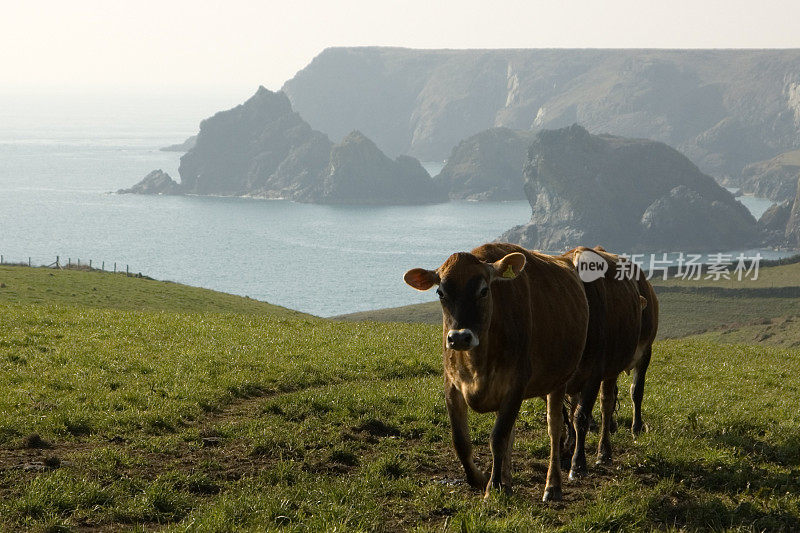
(62,158)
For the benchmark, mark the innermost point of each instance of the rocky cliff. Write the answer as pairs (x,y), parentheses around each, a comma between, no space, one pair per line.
(260,147)
(263,148)
(793,225)
(156,182)
(774,178)
(359,170)
(724,109)
(627,194)
(487,166)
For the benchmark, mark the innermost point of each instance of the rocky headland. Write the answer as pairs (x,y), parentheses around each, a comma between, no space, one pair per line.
(625,194)
(263,148)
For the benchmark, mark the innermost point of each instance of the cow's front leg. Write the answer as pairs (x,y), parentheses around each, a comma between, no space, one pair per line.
(555,425)
(502,441)
(457,410)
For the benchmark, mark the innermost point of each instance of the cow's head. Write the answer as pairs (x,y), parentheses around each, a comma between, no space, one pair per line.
(464,283)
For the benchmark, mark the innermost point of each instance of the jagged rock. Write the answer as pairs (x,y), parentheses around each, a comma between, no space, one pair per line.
(683,219)
(360,173)
(625,194)
(185,146)
(793,226)
(157,182)
(724,109)
(263,148)
(776,217)
(487,166)
(773,223)
(260,147)
(774,178)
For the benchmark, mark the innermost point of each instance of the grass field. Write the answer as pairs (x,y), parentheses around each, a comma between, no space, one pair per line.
(165,407)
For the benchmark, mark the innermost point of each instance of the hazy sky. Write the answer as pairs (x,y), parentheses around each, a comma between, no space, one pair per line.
(233,46)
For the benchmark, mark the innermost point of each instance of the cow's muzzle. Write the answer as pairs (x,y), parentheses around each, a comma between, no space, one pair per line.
(461,339)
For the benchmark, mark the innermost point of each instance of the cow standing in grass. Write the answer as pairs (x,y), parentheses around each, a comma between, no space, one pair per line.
(623,318)
(514,327)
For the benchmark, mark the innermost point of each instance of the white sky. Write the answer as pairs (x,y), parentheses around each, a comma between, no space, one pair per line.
(233,46)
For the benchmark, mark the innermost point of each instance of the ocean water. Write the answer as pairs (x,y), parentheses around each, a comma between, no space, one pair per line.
(60,162)
(56,177)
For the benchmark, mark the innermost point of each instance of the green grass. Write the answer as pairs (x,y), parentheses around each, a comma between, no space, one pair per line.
(104,290)
(426,313)
(219,421)
(768,277)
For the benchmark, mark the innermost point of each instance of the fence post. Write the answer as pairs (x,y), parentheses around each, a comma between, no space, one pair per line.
(58,265)
(127,271)
(90,264)
(29,261)
(115,268)
(104,266)
(69,262)
(79,261)
(1,259)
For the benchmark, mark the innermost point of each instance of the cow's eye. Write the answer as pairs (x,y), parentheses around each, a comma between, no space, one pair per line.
(440,294)
(484,292)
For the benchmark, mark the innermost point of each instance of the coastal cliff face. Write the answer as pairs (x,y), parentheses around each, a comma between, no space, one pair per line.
(625,194)
(264,149)
(259,147)
(723,109)
(358,169)
(775,178)
(487,166)
(793,225)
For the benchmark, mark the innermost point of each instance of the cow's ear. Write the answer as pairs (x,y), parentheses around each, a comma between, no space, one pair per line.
(508,267)
(421,279)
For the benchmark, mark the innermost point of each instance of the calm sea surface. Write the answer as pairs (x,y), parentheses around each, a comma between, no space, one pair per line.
(58,165)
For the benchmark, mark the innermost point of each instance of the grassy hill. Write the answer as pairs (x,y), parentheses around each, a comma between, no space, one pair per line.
(98,289)
(181,409)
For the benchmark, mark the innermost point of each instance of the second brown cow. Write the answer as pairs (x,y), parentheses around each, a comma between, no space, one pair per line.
(623,319)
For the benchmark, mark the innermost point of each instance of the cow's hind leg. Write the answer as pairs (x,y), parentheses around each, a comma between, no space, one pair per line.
(555,425)
(581,419)
(637,389)
(608,401)
(507,472)
(457,410)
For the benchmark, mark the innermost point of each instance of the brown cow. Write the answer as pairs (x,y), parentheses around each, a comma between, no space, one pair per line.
(620,336)
(514,327)
(644,349)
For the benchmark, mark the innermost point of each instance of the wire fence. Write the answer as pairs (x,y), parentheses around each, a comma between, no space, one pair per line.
(69,264)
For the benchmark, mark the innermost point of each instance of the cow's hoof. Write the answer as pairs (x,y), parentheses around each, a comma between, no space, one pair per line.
(552,494)
(577,472)
(637,429)
(478,481)
(604,461)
